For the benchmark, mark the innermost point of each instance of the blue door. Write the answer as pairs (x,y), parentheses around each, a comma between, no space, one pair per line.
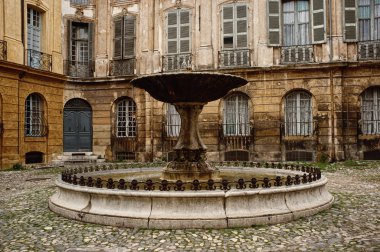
(77,126)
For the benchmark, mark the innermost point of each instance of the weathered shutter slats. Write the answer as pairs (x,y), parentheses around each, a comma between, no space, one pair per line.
(118,31)
(319,34)
(172,32)
(184,31)
(350,26)
(129,36)
(241,27)
(274,23)
(228,27)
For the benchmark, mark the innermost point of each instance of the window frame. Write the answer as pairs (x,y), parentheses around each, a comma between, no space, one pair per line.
(34,116)
(374,34)
(241,124)
(124,37)
(235,21)
(374,113)
(297,127)
(178,25)
(125,118)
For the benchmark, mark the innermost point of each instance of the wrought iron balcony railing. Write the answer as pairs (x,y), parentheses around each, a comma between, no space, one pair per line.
(122,67)
(175,62)
(369,50)
(234,58)
(79,69)
(39,60)
(3,50)
(297,54)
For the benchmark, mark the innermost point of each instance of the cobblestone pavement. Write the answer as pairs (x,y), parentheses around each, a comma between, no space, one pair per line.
(352,224)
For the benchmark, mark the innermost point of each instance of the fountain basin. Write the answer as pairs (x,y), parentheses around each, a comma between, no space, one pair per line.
(192,209)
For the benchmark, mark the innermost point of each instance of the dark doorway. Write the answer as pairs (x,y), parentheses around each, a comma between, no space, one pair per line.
(77,126)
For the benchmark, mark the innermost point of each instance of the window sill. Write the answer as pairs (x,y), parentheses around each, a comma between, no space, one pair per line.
(299,138)
(368,137)
(35,139)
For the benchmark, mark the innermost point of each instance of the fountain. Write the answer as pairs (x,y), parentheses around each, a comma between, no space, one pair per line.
(189,192)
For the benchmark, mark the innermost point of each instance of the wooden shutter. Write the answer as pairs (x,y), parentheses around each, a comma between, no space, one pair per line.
(172,30)
(184,31)
(90,40)
(318,21)
(241,26)
(349,19)
(117,41)
(69,39)
(228,27)
(129,36)
(274,23)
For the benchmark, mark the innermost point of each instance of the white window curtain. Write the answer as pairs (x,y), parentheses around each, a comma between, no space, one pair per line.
(298,114)
(296,22)
(34,116)
(126,118)
(235,116)
(371,111)
(369,19)
(173,121)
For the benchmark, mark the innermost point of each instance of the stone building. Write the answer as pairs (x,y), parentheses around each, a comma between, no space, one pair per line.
(31,81)
(312,66)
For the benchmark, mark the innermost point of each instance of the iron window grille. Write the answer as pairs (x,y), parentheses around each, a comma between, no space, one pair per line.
(126,125)
(3,50)
(39,60)
(370,109)
(35,123)
(79,69)
(298,114)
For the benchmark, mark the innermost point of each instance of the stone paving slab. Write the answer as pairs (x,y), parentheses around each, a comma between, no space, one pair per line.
(352,224)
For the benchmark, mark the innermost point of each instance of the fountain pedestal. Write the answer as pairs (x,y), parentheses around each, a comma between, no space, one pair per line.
(190,159)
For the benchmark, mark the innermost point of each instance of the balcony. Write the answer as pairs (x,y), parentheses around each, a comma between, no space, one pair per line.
(38,60)
(3,50)
(177,62)
(79,69)
(297,54)
(234,58)
(369,50)
(122,67)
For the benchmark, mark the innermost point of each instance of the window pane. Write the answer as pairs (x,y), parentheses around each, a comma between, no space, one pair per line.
(126,118)
(235,116)
(298,114)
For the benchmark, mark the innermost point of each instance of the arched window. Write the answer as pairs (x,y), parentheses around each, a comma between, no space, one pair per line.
(235,115)
(126,118)
(298,114)
(296,22)
(371,111)
(34,116)
(173,121)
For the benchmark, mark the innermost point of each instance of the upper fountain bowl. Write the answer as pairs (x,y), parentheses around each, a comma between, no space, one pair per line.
(197,87)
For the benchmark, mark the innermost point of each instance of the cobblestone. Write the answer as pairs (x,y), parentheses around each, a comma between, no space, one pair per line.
(352,224)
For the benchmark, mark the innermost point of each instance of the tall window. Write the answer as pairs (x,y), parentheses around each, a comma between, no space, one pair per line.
(235,116)
(126,118)
(371,111)
(298,114)
(173,121)
(296,25)
(34,116)
(178,31)
(125,36)
(235,26)
(81,42)
(34,29)
(369,19)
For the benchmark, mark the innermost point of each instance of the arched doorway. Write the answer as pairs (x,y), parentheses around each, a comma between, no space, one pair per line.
(77,126)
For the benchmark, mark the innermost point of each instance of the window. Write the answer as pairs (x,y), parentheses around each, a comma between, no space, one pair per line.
(34,29)
(371,111)
(235,26)
(80,2)
(298,114)
(34,116)
(81,42)
(235,116)
(178,31)
(296,27)
(173,121)
(126,118)
(125,36)
(369,19)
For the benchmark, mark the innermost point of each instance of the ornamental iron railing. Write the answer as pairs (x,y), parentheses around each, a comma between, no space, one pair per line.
(123,67)
(369,50)
(39,60)
(177,62)
(3,50)
(297,54)
(236,136)
(75,176)
(234,58)
(79,69)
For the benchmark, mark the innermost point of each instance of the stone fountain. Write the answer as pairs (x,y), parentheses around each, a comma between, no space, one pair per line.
(189,92)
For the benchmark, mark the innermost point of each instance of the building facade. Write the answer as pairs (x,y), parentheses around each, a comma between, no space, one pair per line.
(313,69)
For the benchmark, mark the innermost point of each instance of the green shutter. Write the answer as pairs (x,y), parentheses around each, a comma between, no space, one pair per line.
(118,32)
(349,19)
(273,10)
(319,34)
(172,29)
(129,36)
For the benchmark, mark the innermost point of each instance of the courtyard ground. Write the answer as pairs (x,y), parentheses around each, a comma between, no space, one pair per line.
(352,224)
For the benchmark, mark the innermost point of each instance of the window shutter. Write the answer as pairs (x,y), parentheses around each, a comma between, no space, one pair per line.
(129,36)
(228,27)
(90,40)
(273,22)
(172,32)
(319,35)
(241,26)
(118,28)
(69,39)
(184,31)
(350,34)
